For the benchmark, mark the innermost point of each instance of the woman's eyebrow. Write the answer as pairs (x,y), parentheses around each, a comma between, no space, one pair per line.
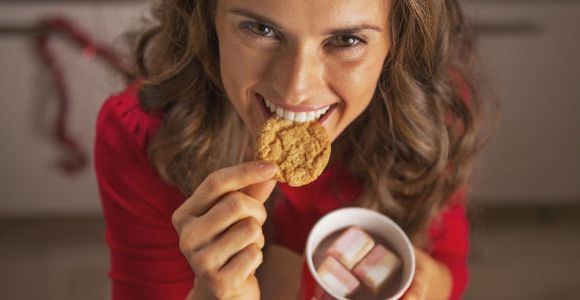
(353,29)
(252,15)
(268,22)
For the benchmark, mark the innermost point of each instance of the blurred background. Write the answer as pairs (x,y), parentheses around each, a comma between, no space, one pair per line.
(525,205)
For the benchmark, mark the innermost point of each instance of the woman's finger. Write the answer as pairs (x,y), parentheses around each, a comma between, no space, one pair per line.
(236,238)
(260,191)
(417,290)
(234,207)
(223,181)
(244,263)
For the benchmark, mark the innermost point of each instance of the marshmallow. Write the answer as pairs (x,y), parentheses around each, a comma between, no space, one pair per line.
(336,277)
(351,246)
(377,267)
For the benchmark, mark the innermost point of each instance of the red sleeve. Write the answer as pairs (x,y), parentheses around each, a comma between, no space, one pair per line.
(450,241)
(145,259)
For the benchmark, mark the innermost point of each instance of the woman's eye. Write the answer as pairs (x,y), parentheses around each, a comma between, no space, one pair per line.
(345,41)
(260,29)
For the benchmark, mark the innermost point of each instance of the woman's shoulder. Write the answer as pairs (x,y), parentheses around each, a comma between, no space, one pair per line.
(123,114)
(129,185)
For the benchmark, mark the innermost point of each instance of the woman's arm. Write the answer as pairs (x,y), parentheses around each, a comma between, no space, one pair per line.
(158,239)
(145,260)
(441,271)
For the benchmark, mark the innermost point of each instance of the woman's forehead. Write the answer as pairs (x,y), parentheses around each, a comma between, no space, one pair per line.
(316,15)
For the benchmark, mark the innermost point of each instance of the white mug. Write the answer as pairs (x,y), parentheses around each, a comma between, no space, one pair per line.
(373,222)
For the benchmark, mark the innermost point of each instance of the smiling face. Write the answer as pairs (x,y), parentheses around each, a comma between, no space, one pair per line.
(301,59)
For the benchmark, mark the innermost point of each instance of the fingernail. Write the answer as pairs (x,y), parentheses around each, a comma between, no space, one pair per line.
(268,168)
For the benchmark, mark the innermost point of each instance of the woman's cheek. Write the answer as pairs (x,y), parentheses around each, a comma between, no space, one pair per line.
(356,86)
(241,68)
(241,62)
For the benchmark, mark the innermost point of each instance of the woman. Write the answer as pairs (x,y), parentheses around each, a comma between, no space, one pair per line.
(184,202)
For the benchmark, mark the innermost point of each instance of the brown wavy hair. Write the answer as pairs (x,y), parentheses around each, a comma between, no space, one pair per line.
(413,146)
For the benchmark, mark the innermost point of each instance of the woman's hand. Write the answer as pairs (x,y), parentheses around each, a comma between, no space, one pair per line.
(220,230)
(432,279)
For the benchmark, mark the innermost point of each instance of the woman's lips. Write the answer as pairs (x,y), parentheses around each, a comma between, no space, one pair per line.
(268,113)
(265,110)
(327,114)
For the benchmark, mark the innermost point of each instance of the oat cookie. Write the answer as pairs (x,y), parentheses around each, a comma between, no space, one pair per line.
(301,150)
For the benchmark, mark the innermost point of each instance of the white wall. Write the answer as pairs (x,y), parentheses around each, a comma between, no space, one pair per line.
(30,183)
(533,159)
(535,156)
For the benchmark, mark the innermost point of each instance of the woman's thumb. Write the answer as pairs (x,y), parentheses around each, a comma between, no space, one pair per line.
(260,191)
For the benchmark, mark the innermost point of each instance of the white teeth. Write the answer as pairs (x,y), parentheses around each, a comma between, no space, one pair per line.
(295,116)
(280,112)
(300,117)
(289,115)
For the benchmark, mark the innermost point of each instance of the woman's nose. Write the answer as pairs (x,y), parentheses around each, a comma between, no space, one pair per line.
(297,76)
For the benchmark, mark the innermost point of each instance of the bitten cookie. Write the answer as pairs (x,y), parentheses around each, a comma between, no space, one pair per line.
(301,150)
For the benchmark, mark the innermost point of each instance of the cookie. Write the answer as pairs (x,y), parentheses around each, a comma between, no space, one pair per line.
(301,150)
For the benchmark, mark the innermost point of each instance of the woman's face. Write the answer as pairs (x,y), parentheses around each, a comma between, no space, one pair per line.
(308,59)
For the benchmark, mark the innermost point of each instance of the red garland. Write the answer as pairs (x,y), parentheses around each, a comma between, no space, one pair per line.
(75,159)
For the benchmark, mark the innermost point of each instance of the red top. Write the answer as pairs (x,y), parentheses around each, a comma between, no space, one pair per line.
(146,262)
